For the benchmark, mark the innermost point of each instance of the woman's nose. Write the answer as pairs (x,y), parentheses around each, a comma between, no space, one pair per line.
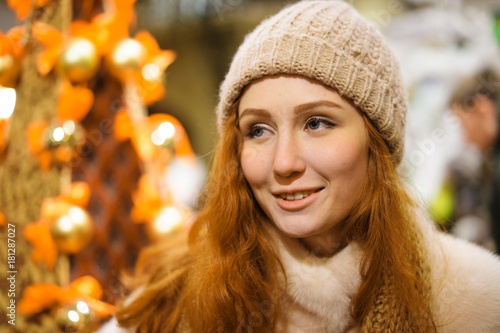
(288,159)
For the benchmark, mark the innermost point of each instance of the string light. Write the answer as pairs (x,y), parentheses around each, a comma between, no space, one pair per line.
(58,134)
(150,72)
(7,102)
(73,316)
(168,219)
(163,133)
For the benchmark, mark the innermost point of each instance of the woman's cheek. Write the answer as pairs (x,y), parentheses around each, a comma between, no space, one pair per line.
(255,166)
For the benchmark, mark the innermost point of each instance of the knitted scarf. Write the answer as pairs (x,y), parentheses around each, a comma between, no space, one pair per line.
(387,315)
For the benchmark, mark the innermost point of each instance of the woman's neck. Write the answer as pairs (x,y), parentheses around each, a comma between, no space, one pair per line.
(324,244)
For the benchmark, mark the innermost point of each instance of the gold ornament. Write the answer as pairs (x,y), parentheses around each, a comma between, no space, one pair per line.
(127,57)
(69,134)
(6,62)
(169,221)
(75,317)
(163,135)
(72,231)
(79,61)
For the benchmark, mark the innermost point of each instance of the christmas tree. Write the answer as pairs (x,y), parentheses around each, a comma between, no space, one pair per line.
(83,169)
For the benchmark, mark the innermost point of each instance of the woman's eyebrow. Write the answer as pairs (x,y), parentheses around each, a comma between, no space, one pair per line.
(297,109)
(255,112)
(307,106)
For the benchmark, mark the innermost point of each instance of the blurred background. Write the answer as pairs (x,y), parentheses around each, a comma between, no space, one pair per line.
(97,163)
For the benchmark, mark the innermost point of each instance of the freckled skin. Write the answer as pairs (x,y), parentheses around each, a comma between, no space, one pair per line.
(302,136)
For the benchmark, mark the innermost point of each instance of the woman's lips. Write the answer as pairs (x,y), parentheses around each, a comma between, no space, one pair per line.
(296,204)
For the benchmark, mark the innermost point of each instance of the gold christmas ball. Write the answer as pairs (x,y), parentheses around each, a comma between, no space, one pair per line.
(164,135)
(168,221)
(79,61)
(69,134)
(6,63)
(72,231)
(127,57)
(75,317)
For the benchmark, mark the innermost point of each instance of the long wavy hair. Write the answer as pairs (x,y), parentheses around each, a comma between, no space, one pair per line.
(223,276)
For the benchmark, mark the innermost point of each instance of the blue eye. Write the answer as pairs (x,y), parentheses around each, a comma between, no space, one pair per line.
(316,123)
(256,131)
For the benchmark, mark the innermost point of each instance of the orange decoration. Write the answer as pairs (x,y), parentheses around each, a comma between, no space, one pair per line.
(105,31)
(34,133)
(124,128)
(34,136)
(77,194)
(5,44)
(45,159)
(149,79)
(11,54)
(23,7)
(56,42)
(93,32)
(147,201)
(63,154)
(53,40)
(142,61)
(52,208)
(84,286)
(38,233)
(44,248)
(149,151)
(74,102)
(3,220)
(40,138)
(102,309)
(151,91)
(41,296)
(14,36)
(161,58)
(3,131)
(116,21)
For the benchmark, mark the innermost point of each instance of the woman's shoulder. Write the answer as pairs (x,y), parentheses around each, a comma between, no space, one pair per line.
(465,284)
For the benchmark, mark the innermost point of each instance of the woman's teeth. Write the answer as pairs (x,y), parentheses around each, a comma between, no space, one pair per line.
(296,196)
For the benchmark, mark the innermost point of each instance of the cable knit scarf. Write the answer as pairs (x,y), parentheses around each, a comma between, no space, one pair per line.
(387,315)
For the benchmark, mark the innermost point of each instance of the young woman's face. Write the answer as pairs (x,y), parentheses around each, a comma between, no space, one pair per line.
(304,154)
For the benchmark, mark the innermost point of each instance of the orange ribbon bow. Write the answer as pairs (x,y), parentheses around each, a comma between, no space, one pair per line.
(41,296)
(38,233)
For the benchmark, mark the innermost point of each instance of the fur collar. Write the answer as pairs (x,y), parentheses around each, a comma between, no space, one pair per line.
(319,290)
(465,285)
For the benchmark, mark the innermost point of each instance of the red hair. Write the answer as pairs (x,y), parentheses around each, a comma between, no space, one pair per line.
(384,223)
(226,280)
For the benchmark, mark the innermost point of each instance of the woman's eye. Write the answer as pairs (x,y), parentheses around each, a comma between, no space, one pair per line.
(314,124)
(257,131)
(317,123)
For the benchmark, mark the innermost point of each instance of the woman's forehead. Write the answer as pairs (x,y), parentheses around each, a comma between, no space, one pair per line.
(290,89)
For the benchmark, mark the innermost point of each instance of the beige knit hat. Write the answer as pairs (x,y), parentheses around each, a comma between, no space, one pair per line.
(332,43)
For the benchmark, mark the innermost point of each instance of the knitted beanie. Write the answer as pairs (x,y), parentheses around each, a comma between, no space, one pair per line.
(330,42)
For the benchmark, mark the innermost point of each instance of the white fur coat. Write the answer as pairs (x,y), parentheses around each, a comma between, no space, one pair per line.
(465,282)
(465,286)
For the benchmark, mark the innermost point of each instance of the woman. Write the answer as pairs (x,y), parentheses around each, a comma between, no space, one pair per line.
(306,225)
